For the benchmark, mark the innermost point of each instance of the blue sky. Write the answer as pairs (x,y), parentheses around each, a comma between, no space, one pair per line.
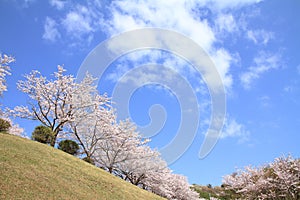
(254,45)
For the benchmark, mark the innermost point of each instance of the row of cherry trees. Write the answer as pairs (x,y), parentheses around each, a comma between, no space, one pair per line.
(277,180)
(75,110)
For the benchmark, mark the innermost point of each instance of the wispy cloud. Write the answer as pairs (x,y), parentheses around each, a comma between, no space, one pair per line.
(150,57)
(265,101)
(292,87)
(51,32)
(128,15)
(58,4)
(260,36)
(82,20)
(263,63)
(137,14)
(223,60)
(78,22)
(226,23)
(233,129)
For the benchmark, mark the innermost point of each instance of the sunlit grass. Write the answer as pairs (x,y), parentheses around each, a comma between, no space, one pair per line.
(30,170)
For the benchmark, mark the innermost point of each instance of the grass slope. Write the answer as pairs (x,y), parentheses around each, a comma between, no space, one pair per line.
(30,170)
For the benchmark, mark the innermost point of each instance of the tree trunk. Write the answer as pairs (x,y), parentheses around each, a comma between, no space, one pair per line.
(52,143)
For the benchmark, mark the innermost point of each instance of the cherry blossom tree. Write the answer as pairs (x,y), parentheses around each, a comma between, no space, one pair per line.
(159,183)
(284,174)
(172,186)
(141,166)
(277,180)
(54,102)
(93,124)
(118,147)
(181,189)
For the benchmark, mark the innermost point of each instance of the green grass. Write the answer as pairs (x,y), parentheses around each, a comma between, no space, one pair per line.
(30,170)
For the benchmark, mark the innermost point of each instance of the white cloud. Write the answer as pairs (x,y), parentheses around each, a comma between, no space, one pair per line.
(78,22)
(260,36)
(83,20)
(51,32)
(263,63)
(129,15)
(226,22)
(231,129)
(175,15)
(149,57)
(234,129)
(222,60)
(58,4)
(298,69)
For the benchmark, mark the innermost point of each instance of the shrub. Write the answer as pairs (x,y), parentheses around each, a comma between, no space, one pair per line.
(4,126)
(69,146)
(89,160)
(42,134)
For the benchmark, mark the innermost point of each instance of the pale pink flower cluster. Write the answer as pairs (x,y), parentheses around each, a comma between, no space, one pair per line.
(4,70)
(277,180)
(5,60)
(15,129)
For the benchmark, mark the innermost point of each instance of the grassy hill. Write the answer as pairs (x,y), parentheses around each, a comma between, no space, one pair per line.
(30,170)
